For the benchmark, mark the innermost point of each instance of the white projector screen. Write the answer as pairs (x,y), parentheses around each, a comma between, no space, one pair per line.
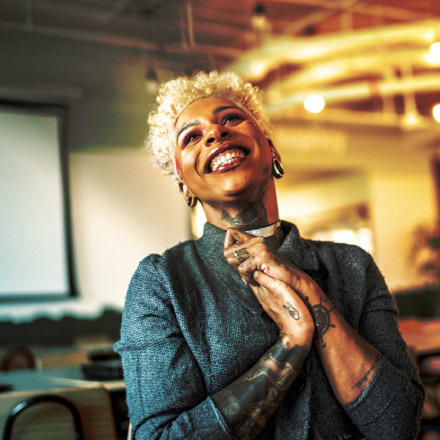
(34,246)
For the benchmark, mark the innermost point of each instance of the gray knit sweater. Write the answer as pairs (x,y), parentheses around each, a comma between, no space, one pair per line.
(191,327)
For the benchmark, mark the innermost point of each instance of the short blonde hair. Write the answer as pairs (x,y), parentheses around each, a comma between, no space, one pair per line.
(177,94)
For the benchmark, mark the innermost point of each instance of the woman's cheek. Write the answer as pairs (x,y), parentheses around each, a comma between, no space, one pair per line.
(178,169)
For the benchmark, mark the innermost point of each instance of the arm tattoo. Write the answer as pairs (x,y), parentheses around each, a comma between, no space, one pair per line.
(368,375)
(248,403)
(292,311)
(321,315)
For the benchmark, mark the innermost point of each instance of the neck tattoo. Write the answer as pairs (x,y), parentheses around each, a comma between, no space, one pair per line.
(266,231)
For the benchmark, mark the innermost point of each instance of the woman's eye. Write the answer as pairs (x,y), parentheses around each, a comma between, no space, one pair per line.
(190,137)
(232,119)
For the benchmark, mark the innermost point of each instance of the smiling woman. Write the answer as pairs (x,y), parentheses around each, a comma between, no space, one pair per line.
(222,154)
(252,331)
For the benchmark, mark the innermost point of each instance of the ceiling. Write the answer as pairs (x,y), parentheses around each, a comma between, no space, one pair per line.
(363,56)
(369,60)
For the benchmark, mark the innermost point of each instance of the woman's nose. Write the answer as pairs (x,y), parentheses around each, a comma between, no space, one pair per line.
(216,135)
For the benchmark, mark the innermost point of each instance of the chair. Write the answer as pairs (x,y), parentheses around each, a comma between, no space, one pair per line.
(83,413)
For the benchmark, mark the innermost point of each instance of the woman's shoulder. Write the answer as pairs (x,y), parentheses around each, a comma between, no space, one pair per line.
(155,265)
(338,249)
(350,258)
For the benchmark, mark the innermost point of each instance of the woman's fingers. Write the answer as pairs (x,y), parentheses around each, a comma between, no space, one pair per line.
(234,236)
(247,254)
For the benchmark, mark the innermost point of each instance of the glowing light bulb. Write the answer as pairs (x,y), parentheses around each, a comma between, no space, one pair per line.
(436,112)
(434,50)
(314,103)
(258,68)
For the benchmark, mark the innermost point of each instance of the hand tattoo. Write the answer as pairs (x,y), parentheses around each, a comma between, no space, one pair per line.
(292,311)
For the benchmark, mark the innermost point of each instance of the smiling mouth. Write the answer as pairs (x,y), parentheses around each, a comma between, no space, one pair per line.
(225,160)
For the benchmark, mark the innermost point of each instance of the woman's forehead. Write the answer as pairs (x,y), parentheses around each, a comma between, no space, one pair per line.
(204,107)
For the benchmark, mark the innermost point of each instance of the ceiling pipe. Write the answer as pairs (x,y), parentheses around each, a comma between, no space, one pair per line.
(358,91)
(254,65)
(381,64)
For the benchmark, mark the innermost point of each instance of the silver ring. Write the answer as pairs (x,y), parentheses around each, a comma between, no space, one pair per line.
(238,256)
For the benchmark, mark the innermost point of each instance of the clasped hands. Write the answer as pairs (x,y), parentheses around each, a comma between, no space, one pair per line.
(281,288)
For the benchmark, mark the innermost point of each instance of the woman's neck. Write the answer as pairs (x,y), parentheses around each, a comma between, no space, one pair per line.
(243,215)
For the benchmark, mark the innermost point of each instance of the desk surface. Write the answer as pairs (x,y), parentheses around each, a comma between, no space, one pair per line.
(51,378)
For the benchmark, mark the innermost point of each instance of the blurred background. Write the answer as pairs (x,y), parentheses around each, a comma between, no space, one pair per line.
(352,88)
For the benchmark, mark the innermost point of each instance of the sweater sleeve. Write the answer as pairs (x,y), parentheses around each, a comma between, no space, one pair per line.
(166,393)
(390,407)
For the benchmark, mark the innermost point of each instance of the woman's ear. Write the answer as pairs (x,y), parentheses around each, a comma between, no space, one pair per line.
(274,150)
(277,167)
(182,186)
(189,197)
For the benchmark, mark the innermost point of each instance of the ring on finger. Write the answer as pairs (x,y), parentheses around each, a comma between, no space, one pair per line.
(238,256)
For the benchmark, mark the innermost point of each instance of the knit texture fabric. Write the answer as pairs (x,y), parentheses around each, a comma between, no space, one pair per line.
(191,327)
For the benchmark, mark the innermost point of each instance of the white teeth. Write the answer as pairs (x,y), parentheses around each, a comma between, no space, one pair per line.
(225,158)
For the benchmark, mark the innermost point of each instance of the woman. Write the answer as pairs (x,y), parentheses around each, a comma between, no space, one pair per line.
(252,331)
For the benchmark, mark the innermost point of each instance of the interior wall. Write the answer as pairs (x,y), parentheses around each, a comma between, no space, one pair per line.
(122,209)
(397,202)
(400,202)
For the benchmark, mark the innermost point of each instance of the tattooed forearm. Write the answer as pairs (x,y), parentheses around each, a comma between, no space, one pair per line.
(277,372)
(248,403)
(321,315)
(368,375)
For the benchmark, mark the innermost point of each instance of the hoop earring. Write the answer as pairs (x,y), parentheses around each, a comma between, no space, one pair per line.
(191,201)
(277,168)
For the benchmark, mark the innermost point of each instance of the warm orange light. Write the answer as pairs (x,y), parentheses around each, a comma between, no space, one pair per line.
(314,103)
(436,112)
(434,50)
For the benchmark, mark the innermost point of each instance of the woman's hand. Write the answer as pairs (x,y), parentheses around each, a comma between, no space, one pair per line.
(248,254)
(286,309)
(269,279)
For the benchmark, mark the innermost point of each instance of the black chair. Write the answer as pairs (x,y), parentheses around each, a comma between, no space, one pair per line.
(44,398)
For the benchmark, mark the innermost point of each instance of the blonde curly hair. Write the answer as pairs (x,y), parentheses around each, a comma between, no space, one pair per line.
(178,93)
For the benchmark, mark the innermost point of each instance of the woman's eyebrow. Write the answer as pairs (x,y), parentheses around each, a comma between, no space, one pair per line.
(187,125)
(226,107)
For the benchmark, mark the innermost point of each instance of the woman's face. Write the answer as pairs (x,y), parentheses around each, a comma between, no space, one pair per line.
(221,152)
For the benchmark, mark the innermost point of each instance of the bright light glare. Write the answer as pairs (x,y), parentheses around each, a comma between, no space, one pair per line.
(433,56)
(314,103)
(411,119)
(436,112)
(258,68)
(434,50)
